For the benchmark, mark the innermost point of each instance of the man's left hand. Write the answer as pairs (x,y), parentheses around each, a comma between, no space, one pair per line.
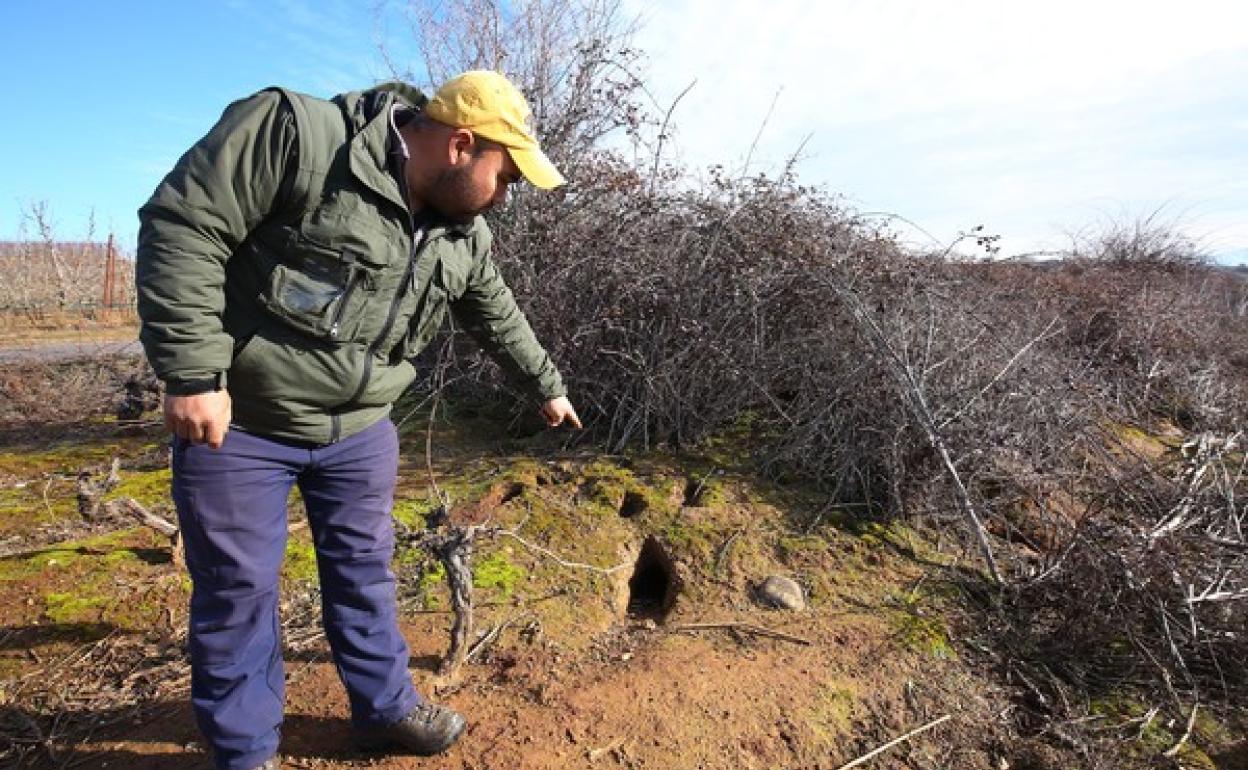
(559,409)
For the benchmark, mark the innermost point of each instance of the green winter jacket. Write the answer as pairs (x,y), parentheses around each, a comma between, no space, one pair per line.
(280,254)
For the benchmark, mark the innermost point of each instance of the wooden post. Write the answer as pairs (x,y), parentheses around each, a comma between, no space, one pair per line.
(109,273)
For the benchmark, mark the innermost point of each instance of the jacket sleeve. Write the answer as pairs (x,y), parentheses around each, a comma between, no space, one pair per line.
(488,311)
(200,213)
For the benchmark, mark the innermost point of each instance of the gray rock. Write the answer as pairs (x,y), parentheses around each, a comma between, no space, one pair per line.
(781,592)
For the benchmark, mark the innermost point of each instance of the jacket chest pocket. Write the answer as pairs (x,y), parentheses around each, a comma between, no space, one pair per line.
(448,282)
(323,291)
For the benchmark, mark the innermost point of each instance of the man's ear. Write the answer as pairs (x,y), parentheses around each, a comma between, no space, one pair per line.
(461,146)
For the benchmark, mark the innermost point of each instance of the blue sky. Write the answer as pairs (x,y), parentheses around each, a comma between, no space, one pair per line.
(102,97)
(1035,120)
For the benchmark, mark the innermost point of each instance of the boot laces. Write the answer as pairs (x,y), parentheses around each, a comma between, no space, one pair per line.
(426,713)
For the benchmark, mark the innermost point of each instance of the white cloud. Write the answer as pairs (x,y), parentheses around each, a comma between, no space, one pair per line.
(951,113)
(317,44)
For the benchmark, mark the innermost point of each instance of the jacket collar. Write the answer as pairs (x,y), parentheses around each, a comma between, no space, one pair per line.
(371,139)
(368,158)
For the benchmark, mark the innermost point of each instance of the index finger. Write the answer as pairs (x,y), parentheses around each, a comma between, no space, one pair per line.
(214,434)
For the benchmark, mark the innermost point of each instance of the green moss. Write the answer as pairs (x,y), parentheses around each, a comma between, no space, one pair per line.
(1120,708)
(1117,706)
(23,508)
(498,572)
(574,532)
(148,487)
(711,491)
(876,534)
(72,608)
(607,487)
(919,627)
(1189,757)
(413,511)
(110,578)
(431,582)
(300,563)
(109,548)
(19,567)
(832,712)
(1155,737)
(695,533)
(1207,726)
(604,487)
(31,460)
(731,447)
(788,546)
(120,556)
(38,479)
(924,634)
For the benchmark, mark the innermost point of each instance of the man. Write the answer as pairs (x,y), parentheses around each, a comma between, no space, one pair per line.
(289,267)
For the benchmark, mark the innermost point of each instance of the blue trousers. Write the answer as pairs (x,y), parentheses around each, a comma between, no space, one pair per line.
(232,510)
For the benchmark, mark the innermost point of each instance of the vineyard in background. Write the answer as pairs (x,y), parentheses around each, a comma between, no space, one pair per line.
(50,284)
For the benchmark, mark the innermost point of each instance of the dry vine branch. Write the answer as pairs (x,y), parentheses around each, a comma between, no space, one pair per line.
(453,545)
(902,739)
(912,392)
(454,548)
(746,627)
(1174,750)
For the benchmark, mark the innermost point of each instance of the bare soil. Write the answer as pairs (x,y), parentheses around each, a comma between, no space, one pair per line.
(667,663)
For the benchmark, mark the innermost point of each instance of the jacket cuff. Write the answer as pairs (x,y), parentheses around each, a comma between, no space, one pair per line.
(550,387)
(175,386)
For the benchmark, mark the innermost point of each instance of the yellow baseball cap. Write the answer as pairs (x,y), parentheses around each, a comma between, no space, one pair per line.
(487,104)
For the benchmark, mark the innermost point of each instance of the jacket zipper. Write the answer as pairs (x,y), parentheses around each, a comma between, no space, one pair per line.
(417,243)
(344,298)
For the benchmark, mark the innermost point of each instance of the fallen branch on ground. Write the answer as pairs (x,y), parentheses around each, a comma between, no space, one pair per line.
(746,627)
(871,754)
(135,510)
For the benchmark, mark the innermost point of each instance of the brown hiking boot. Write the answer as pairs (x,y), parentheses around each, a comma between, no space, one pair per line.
(427,729)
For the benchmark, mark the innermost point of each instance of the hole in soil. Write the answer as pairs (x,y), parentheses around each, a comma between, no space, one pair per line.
(515,490)
(694,490)
(652,587)
(634,503)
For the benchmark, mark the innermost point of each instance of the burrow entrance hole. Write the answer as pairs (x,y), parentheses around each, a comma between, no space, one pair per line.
(512,492)
(634,503)
(695,489)
(653,586)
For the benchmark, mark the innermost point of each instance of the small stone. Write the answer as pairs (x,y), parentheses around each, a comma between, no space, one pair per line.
(626,657)
(649,624)
(782,592)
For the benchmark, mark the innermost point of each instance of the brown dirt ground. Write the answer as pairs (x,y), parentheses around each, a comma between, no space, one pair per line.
(91,625)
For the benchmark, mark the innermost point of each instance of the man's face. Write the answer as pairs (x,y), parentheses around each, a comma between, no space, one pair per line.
(463,191)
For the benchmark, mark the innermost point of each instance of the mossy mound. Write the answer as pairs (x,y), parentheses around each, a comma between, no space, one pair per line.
(121,579)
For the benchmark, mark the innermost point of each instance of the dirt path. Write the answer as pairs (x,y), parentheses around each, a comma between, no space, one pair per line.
(58,350)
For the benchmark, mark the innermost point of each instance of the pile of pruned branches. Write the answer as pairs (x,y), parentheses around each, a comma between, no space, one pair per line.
(1081,422)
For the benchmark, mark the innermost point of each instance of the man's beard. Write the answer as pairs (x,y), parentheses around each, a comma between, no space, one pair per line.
(454,197)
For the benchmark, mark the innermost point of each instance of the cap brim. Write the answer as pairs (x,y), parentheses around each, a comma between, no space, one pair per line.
(536,168)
